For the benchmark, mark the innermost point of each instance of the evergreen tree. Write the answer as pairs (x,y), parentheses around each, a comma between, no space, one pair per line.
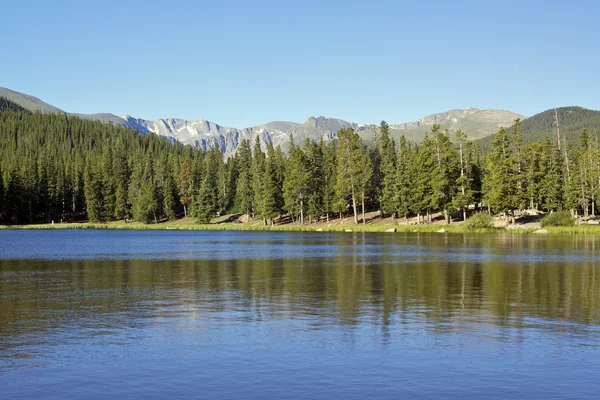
(352,168)
(186,182)
(387,170)
(169,194)
(244,193)
(551,172)
(444,174)
(93,192)
(500,174)
(406,179)
(329,176)
(145,206)
(295,187)
(425,198)
(271,191)
(315,185)
(258,178)
(464,196)
(206,200)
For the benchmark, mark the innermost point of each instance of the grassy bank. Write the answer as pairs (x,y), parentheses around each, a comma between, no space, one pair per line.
(375,225)
(260,227)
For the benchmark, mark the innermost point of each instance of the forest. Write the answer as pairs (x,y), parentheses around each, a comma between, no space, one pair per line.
(55,167)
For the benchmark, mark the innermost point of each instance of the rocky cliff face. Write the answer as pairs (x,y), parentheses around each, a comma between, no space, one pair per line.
(205,134)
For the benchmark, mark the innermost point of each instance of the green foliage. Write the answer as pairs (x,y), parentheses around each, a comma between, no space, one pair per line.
(559,218)
(354,170)
(58,167)
(572,121)
(296,182)
(244,192)
(479,220)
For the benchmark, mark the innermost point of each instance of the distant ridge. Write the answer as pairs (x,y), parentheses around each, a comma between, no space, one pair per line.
(572,121)
(28,102)
(205,134)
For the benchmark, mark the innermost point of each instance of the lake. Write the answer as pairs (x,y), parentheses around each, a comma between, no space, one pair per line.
(93,314)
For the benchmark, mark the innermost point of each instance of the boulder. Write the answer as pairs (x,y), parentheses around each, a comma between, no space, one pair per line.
(391,230)
(348,230)
(442,231)
(319,230)
(541,232)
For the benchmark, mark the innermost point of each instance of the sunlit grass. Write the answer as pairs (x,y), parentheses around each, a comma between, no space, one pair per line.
(257,225)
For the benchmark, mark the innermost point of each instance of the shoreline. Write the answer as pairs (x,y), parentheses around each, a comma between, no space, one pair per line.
(346,228)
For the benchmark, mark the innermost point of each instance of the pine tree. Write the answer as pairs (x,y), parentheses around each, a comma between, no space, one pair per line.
(464,196)
(108,184)
(169,194)
(3,211)
(244,193)
(295,187)
(551,185)
(329,176)
(258,177)
(387,170)
(145,206)
(500,174)
(186,183)
(121,177)
(271,191)
(444,173)
(352,168)
(425,198)
(93,192)
(406,179)
(315,185)
(205,201)
(520,192)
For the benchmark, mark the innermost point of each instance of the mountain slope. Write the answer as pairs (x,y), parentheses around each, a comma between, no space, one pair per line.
(28,102)
(34,104)
(571,119)
(475,123)
(205,134)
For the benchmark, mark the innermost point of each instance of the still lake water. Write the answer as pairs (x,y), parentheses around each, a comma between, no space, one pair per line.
(88,314)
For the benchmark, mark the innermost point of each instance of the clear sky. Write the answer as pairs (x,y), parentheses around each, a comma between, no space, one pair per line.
(242,63)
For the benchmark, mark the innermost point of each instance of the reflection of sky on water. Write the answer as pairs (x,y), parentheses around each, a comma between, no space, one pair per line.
(400,248)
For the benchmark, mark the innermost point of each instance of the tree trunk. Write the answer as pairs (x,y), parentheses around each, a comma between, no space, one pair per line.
(354,207)
(464,210)
(363,209)
(184,211)
(301,212)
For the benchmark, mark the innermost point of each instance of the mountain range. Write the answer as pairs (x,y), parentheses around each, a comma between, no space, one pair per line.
(204,134)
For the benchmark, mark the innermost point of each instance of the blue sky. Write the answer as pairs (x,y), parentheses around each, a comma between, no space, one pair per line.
(242,63)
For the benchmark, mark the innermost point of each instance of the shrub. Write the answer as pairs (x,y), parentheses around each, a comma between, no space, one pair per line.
(480,220)
(560,218)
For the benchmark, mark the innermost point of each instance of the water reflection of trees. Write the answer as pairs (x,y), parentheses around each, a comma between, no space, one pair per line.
(352,288)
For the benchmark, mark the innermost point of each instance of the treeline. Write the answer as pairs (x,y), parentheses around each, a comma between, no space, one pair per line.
(56,167)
